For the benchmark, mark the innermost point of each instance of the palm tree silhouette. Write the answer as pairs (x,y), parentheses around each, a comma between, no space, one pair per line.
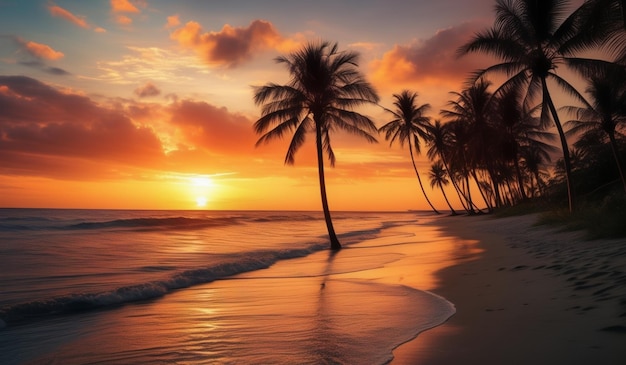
(470,113)
(437,175)
(440,145)
(529,39)
(606,111)
(324,88)
(519,130)
(408,126)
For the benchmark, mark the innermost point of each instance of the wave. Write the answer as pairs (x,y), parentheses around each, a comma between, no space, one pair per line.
(156,223)
(143,223)
(80,302)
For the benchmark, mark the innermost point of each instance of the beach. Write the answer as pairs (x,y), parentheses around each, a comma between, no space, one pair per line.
(533,295)
(406,289)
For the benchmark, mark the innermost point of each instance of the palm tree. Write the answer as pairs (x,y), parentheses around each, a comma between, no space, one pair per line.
(408,126)
(324,88)
(438,178)
(529,40)
(606,111)
(472,109)
(439,142)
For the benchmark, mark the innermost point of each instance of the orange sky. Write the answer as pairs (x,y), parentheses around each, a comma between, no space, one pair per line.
(148,104)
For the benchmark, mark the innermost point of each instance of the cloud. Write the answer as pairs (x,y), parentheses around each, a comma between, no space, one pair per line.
(40,123)
(35,55)
(123,6)
(172,21)
(123,20)
(58,11)
(213,128)
(120,9)
(231,46)
(80,21)
(150,63)
(56,71)
(433,60)
(40,65)
(149,89)
(42,51)
(49,132)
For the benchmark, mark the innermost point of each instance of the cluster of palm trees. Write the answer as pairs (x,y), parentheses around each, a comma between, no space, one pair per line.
(494,136)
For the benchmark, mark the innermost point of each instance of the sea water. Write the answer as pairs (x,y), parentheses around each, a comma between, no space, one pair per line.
(121,286)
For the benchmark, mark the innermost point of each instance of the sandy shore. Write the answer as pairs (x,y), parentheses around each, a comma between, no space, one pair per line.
(532,296)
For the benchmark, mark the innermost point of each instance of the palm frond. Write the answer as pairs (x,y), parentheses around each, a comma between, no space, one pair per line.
(297,141)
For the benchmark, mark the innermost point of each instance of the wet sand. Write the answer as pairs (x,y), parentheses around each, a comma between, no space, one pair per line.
(534,295)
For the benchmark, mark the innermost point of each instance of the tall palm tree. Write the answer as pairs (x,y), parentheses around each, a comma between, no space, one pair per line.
(408,126)
(519,129)
(440,146)
(459,136)
(437,175)
(531,42)
(324,88)
(472,109)
(606,111)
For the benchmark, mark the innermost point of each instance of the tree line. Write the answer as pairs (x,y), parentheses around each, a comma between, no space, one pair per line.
(493,139)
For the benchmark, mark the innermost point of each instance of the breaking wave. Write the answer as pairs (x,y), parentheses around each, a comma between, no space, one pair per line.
(79,302)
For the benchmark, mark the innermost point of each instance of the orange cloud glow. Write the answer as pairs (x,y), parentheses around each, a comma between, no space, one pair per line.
(123,6)
(58,11)
(232,45)
(428,61)
(212,128)
(42,51)
(36,117)
(123,20)
(172,21)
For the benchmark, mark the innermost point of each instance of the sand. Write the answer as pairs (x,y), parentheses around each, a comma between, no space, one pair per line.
(534,295)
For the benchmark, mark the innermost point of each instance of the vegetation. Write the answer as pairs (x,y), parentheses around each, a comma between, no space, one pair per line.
(494,142)
(324,88)
(408,126)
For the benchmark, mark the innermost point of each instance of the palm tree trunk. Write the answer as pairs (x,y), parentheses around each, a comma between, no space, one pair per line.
(452,211)
(617,158)
(334,241)
(482,194)
(469,193)
(520,180)
(564,147)
(420,179)
(454,183)
(540,185)
(496,186)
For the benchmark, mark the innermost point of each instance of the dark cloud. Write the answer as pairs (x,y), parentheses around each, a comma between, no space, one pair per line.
(147,90)
(56,71)
(43,67)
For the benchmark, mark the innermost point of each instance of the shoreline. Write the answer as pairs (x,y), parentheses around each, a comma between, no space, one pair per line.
(534,295)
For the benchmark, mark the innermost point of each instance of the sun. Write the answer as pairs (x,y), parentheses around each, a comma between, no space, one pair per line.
(201,202)
(201,189)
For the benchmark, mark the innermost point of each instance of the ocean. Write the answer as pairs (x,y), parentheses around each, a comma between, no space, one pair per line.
(213,287)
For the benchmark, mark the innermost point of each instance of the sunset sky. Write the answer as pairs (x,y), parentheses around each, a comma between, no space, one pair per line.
(148,104)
